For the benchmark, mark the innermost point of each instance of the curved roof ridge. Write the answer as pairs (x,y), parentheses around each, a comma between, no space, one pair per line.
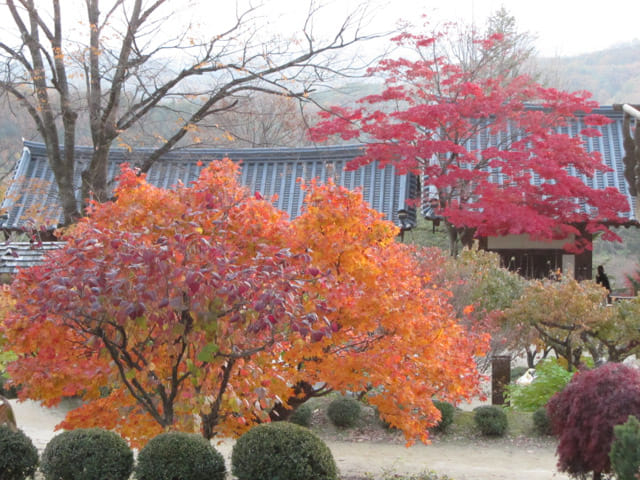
(39,146)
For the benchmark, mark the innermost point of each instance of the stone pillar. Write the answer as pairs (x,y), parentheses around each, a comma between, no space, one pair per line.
(500,378)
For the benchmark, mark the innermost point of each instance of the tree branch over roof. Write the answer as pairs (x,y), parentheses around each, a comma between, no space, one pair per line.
(130,64)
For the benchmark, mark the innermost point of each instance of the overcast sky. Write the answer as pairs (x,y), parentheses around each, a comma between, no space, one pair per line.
(563,27)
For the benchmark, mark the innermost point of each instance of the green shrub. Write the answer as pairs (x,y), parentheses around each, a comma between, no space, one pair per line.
(18,455)
(282,450)
(491,420)
(179,456)
(541,422)
(301,415)
(625,449)
(446,411)
(344,412)
(87,454)
(551,378)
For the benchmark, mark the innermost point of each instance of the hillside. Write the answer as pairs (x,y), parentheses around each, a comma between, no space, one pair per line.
(611,75)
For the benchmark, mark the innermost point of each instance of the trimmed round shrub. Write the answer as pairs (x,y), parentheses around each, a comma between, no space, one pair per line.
(541,422)
(87,454)
(301,415)
(625,449)
(585,412)
(282,450)
(491,420)
(179,456)
(446,411)
(344,412)
(18,455)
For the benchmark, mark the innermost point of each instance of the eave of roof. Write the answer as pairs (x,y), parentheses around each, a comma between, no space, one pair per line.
(15,255)
(610,146)
(274,172)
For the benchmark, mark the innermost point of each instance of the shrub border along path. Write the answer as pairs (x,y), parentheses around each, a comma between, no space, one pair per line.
(482,459)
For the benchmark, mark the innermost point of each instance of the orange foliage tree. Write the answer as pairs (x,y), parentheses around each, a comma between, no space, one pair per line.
(204,308)
(394,337)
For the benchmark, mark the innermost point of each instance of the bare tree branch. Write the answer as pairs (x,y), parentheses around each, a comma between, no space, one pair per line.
(130,65)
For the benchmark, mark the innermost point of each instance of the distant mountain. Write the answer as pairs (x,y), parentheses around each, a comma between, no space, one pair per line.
(611,75)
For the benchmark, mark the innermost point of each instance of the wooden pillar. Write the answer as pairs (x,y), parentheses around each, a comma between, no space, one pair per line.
(500,378)
(584,262)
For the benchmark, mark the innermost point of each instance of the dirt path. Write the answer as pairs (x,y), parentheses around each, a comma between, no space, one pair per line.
(494,460)
(490,460)
(459,461)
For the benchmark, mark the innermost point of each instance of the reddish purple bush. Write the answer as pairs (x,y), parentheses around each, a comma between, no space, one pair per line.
(584,413)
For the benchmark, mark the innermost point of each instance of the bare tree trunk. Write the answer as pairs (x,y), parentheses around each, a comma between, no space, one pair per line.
(453,240)
(459,236)
(303,391)
(63,173)
(127,75)
(94,178)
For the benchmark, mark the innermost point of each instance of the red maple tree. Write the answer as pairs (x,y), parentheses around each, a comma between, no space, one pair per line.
(494,151)
(585,412)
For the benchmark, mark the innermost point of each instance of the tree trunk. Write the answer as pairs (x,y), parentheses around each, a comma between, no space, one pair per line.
(94,179)
(303,391)
(208,423)
(211,419)
(459,236)
(63,171)
(531,358)
(466,236)
(453,239)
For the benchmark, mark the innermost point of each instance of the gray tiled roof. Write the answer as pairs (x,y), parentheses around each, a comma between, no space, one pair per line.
(16,255)
(268,171)
(610,146)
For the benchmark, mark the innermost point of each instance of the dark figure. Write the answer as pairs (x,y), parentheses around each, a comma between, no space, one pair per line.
(603,279)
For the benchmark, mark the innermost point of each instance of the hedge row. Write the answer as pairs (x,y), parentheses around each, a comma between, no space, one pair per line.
(277,450)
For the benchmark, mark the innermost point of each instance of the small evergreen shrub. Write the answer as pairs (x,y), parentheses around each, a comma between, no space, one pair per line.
(625,449)
(180,456)
(18,455)
(446,411)
(87,454)
(491,420)
(282,450)
(344,412)
(541,422)
(301,415)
